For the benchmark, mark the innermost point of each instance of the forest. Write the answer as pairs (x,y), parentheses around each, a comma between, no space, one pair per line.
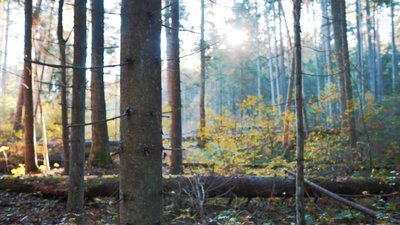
(233,112)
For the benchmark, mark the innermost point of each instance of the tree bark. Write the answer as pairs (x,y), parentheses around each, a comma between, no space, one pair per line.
(77,156)
(342,53)
(394,51)
(4,78)
(99,152)
(300,205)
(174,88)
(30,151)
(360,52)
(244,186)
(63,86)
(379,73)
(202,79)
(371,51)
(141,155)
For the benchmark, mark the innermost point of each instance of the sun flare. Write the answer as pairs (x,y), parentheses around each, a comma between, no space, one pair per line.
(235,37)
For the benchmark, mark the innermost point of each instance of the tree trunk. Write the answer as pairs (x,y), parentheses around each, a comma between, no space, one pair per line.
(99,152)
(77,156)
(202,79)
(141,155)
(269,52)
(360,53)
(29,153)
(215,186)
(174,88)
(371,51)
(328,60)
(300,206)
(63,86)
(282,70)
(379,73)
(394,51)
(20,106)
(6,36)
(342,53)
(45,151)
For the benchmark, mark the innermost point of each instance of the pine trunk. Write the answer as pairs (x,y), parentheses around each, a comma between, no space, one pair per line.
(174,89)
(141,148)
(300,205)
(342,54)
(77,156)
(202,80)
(99,152)
(63,87)
(29,130)
(394,51)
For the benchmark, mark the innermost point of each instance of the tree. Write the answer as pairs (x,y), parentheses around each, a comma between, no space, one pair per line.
(342,54)
(77,156)
(6,36)
(394,52)
(99,151)
(63,84)
(141,172)
(300,206)
(30,151)
(371,51)
(202,79)
(174,87)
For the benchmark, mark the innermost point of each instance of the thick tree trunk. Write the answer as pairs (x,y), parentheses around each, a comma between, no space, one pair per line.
(300,137)
(342,53)
(63,86)
(17,125)
(141,155)
(99,152)
(29,153)
(174,89)
(77,156)
(245,187)
(202,79)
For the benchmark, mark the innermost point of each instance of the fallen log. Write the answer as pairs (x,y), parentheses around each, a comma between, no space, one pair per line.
(347,202)
(215,186)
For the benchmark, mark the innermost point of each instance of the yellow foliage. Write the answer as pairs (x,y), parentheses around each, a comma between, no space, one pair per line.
(19,171)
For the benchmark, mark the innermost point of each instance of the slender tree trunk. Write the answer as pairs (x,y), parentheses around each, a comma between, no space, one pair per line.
(279,95)
(327,49)
(20,106)
(282,71)
(45,150)
(174,88)
(63,86)
(360,62)
(269,52)
(6,36)
(202,79)
(300,206)
(99,152)
(342,54)
(379,73)
(141,172)
(394,51)
(371,51)
(77,156)
(29,156)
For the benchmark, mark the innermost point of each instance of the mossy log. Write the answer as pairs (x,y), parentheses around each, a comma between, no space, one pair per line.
(214,186)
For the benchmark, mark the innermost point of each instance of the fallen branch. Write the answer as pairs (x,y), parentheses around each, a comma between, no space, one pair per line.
(336,197)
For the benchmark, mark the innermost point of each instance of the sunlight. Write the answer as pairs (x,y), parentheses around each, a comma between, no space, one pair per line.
(235,37)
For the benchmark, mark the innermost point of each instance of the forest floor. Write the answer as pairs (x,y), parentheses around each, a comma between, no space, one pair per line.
(31,208)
